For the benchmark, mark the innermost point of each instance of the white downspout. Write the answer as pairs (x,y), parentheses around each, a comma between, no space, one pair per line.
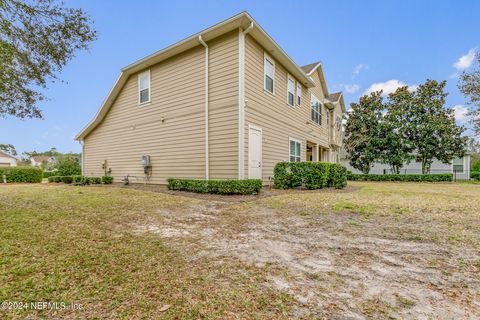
(207,174)
(82,143)
(241,100)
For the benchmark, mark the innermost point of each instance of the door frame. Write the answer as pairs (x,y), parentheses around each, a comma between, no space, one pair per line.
(255,127)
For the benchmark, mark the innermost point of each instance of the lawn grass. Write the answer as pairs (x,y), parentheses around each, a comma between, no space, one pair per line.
(80,245)
(447,213)
(75,244)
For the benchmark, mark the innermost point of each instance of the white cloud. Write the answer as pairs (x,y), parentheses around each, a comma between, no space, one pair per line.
(358,68)
(388,86)
(351,88)
(465,61)
(461,113)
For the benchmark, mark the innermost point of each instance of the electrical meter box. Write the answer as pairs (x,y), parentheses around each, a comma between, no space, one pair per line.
(146,161)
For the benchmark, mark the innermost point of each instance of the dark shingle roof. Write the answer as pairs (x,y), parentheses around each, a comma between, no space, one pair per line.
(307,68)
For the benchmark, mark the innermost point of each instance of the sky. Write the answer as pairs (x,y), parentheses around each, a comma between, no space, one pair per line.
(363,46)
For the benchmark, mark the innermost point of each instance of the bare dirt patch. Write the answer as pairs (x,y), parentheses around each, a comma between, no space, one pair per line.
(264,193)
(341,257)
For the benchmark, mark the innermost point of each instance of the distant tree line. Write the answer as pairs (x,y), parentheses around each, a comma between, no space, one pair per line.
(406,125)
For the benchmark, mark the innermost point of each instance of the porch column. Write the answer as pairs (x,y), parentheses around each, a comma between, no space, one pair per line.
(317,153)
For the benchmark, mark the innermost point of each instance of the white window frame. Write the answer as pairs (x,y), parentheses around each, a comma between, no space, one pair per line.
(463,166)
(266,58)
(327,118)
(298,98)
(290,152)
(319,111)
(290,79)
(147,72)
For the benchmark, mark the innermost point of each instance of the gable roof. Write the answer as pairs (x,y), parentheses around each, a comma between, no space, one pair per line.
(333,97)
(310,67)
(242,20)
(4,154)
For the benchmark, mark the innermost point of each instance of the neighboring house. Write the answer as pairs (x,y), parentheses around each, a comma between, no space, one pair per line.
(36,161)
(7,160)
(460,167)
(225,103)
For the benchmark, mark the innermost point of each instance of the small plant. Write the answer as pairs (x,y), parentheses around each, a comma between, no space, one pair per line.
(67,179)
(78,179)
(93,180)
(107,179)
(475,175)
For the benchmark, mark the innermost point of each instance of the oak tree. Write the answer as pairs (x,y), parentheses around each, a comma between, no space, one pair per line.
(37,39)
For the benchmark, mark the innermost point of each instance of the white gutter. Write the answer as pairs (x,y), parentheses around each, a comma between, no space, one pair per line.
(207,174)
(241,100)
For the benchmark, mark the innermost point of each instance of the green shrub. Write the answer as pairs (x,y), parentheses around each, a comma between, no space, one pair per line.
(21,174)
(56,179)
(93,180)
(66,179)
(311,175)
(78,179)
(402,177)
(51,179)
(68,166)
(48,174)
(475,175)
(107,179)
(250,186)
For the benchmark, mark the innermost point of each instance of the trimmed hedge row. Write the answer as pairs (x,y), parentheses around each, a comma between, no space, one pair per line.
(21,175)
(475,175)
(81,179)
(311,175)
(47,174)
(402,177)
(249,186)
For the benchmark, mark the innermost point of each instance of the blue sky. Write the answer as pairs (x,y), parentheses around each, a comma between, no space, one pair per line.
(362,45)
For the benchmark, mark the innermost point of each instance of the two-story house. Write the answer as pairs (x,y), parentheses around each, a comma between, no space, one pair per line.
(225,103)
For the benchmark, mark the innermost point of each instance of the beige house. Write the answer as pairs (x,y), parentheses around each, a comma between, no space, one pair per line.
(225,103)
(7,160)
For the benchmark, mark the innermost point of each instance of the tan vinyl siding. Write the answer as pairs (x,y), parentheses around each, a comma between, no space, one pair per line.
(223,110)
(278,120)
(177,144)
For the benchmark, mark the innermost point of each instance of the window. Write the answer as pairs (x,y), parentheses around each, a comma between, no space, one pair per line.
(316,112)
(269,73)
(328,117)
(458,165)
(339,123)
(144,87)
(290,91)
(295,150)
(299,94)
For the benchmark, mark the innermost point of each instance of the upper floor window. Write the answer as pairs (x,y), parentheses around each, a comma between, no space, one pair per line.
(269,73)
(299,94)
(328,117)
(339,122)
(295,150)
(290,91)
(144,87)
(316,111)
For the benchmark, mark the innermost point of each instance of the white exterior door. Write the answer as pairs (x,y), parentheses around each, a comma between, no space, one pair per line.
(254,153)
